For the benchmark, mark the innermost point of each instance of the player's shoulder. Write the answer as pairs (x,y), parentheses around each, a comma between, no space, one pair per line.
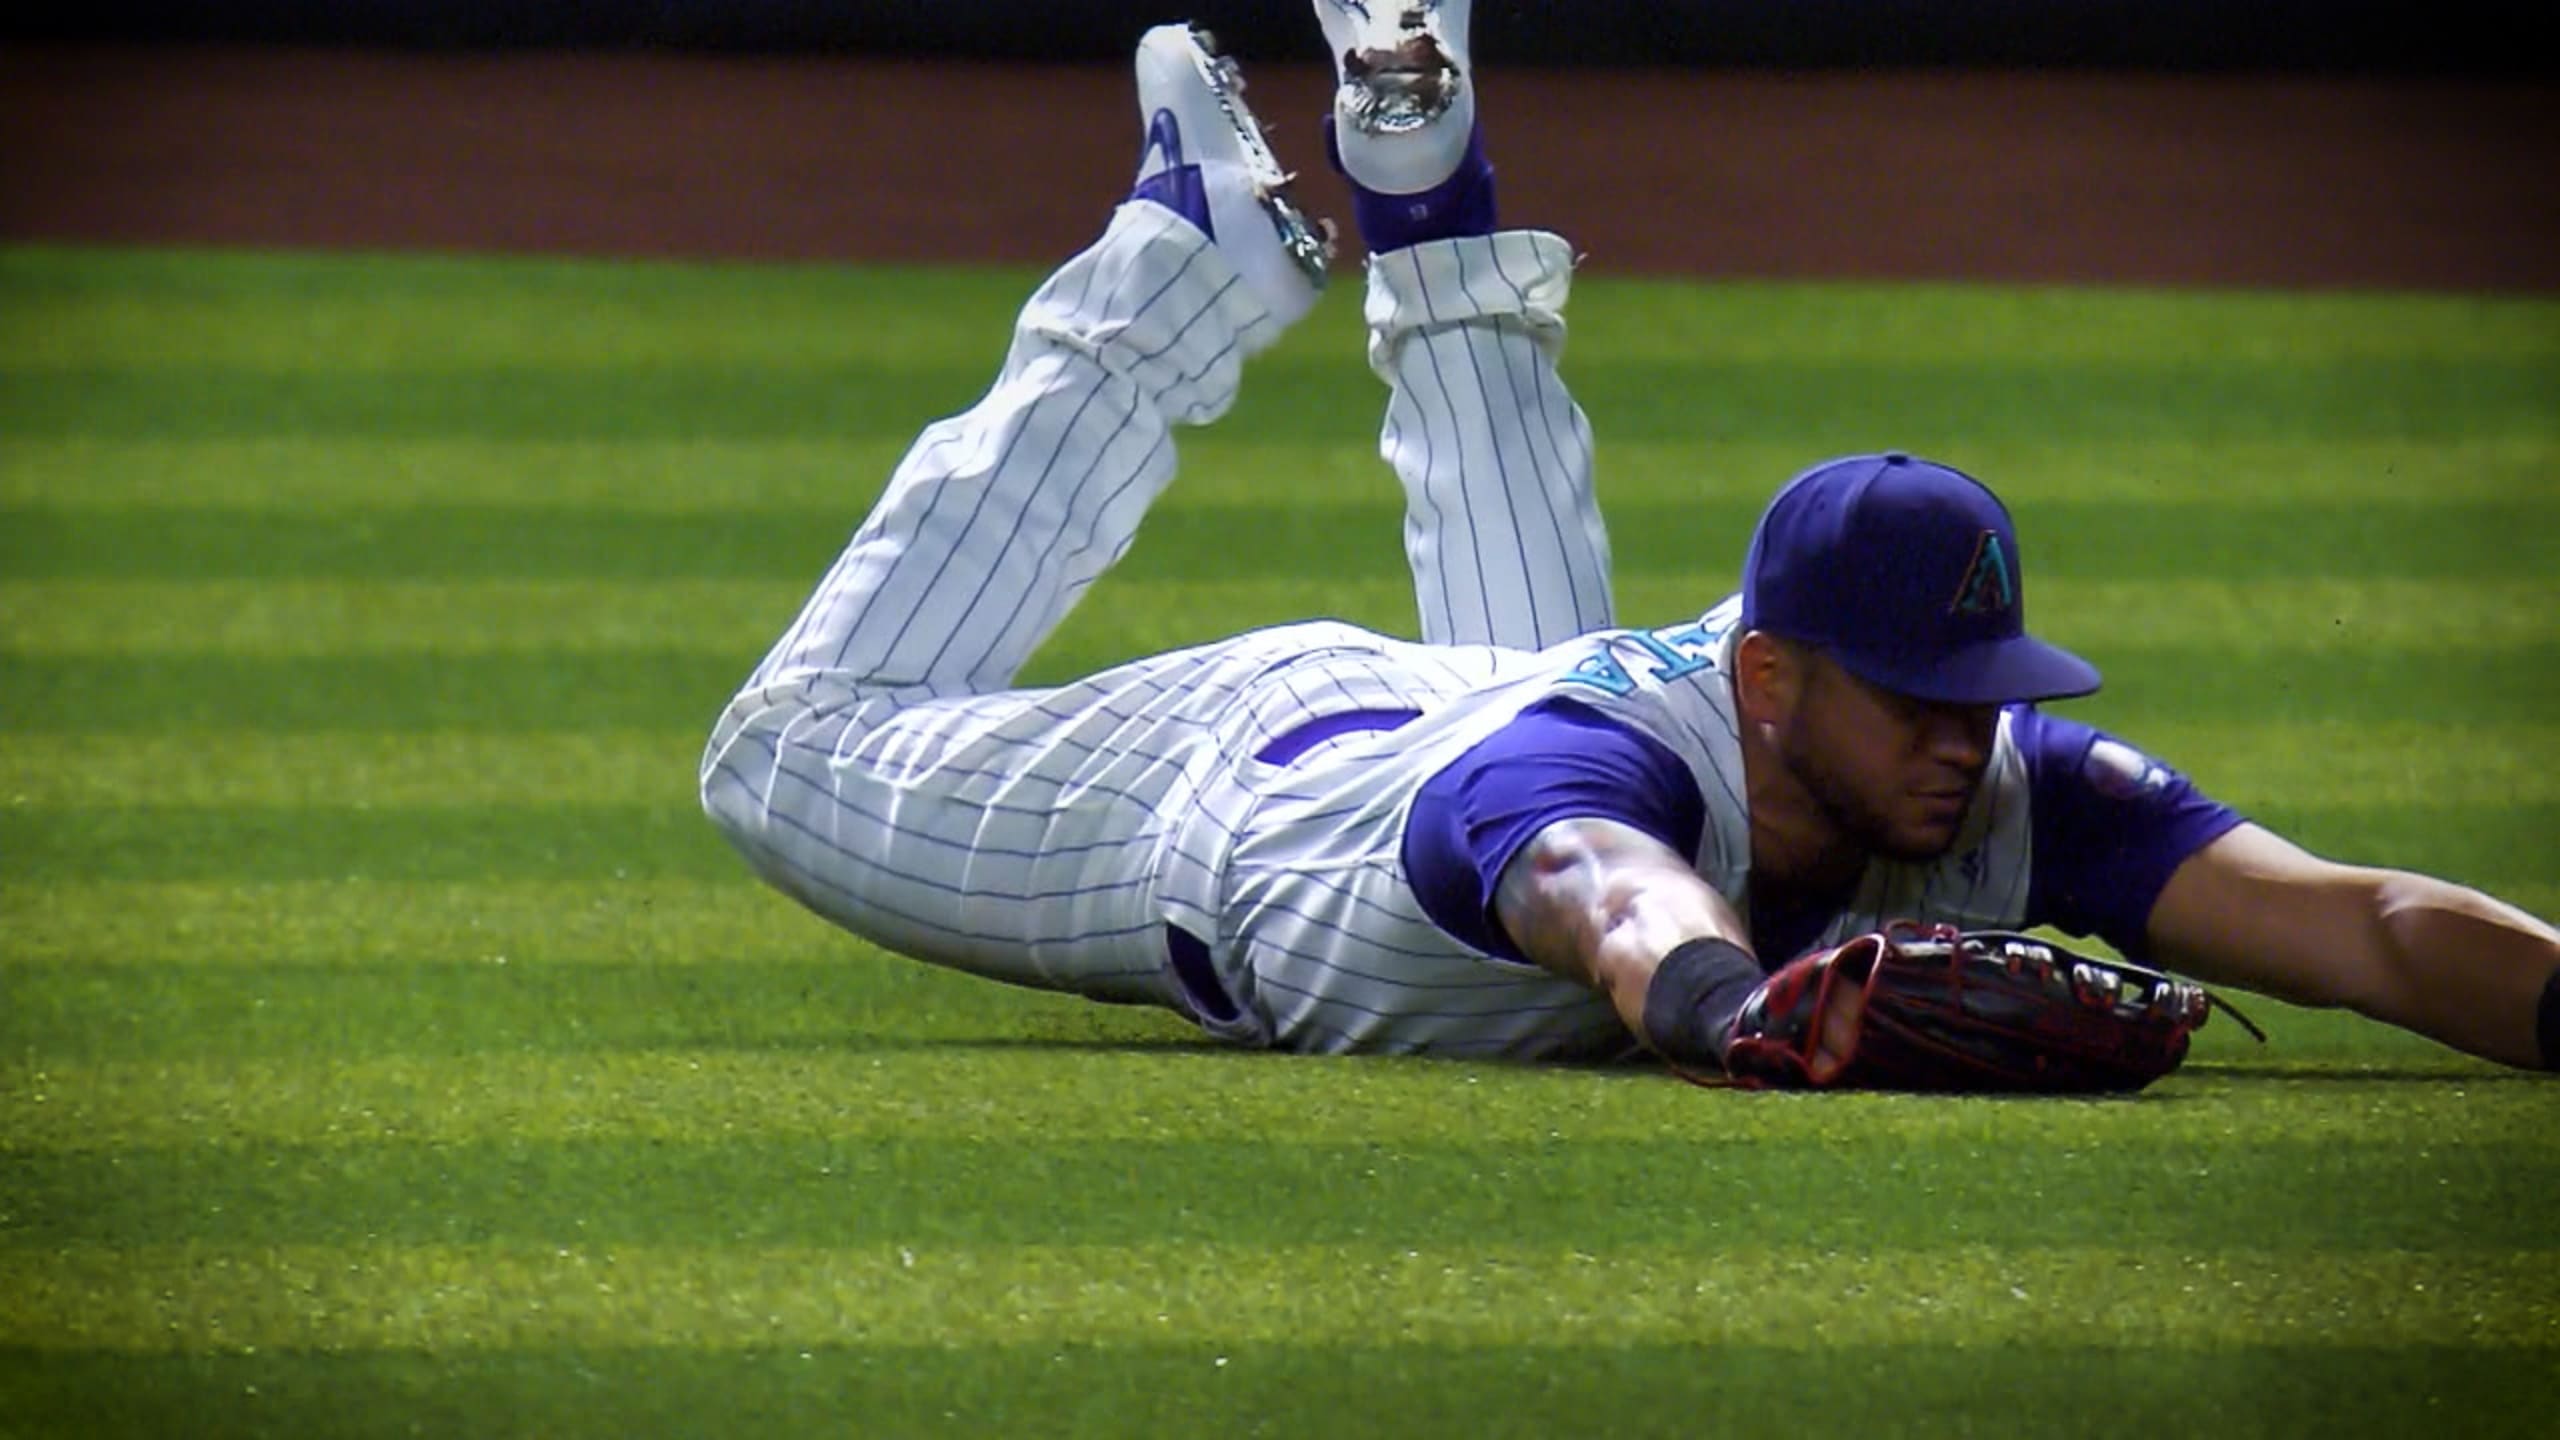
(2056,752)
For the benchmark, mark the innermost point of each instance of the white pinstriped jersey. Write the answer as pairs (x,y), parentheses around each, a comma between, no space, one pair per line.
(877,767)
(1299,867)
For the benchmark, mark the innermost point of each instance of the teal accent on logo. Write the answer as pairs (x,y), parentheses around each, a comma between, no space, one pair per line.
(1986,588)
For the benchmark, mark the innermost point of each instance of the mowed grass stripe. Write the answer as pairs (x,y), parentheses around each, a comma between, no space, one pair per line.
(949,1087)
(281,618)
(77,307)
(2164,1194)
(596,840)
(427,771)
(2341,765)
(1928,1383)
(2236,540)
(693,476)
(776,986)
(681,692)
(653,921)
(2330,763)
(1832,320)
(614,838)
(485,1297)
(659,921)
(1920,394)
(677,691)
(272,618)
(130,476)
(2250,616)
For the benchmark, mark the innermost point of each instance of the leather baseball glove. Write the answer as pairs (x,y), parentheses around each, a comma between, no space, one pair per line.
(1969,1011)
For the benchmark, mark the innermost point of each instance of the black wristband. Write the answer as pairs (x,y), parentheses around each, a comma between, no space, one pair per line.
(1695,993)
(2546,1021)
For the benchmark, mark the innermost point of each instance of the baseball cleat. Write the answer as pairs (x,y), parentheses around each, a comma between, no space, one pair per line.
(1206,159)
(1399,64)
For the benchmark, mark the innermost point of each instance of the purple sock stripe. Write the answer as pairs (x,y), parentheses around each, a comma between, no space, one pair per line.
(1461,205)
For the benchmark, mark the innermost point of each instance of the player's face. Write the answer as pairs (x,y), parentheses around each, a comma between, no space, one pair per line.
(1894,773)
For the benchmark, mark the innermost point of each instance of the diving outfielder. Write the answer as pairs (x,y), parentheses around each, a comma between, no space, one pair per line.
(1532,833)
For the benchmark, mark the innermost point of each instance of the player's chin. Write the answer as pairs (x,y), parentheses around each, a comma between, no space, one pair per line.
(1925,832)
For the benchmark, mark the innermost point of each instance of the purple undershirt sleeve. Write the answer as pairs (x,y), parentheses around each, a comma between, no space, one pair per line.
(2111,826)
(1556,760)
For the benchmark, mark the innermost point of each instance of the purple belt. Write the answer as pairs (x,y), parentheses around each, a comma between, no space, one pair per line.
(1193,970)
(1289,744)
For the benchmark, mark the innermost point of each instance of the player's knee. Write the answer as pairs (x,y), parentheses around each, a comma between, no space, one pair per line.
(772,754)
(736,777)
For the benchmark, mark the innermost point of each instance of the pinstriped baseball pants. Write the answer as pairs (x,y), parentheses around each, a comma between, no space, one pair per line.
(880,766)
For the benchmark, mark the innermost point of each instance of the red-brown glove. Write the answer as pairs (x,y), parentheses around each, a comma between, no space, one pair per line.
(1980,1011)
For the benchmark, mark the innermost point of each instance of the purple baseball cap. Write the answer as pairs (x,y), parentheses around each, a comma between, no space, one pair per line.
(1906,572)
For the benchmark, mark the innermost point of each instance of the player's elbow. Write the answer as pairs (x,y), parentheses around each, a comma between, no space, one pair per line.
(2415,925)
(1628,937)
(2403,924)
(2373,956)
(2367,944)
(2461,966)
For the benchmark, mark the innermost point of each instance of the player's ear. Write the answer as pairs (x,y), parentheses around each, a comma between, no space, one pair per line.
(1768,676)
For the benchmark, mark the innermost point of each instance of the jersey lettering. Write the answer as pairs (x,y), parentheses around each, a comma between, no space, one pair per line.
(1676,652)
(1601,671)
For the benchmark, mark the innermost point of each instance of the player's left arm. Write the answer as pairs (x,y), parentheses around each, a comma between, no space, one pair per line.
(2255,911)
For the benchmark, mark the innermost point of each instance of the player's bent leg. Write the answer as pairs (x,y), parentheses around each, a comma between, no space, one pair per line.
(1503,530)
(1206,158)
(1403,125)
(1502,527)
(1044,837)
(999,518)
(875,765)
(920,827)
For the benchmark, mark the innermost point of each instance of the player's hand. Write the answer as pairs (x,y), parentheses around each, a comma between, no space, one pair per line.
(1805,1018)
(1836,1042)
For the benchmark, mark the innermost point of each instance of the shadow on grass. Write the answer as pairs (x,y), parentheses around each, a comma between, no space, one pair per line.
(1634,1069)
(2363,1074)
(860,1043)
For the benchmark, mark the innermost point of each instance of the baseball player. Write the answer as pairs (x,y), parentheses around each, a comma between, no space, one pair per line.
(1532,833)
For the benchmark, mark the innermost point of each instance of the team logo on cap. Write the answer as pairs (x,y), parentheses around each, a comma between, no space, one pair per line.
(1986,588)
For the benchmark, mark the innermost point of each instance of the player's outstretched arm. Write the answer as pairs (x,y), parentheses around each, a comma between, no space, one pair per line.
(1606,904)
(1602,902)
(2255,911)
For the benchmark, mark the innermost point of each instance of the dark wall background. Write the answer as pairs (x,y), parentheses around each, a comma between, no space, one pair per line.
(2366,36)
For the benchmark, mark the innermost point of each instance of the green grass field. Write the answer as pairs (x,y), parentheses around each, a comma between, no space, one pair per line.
(388,1048)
